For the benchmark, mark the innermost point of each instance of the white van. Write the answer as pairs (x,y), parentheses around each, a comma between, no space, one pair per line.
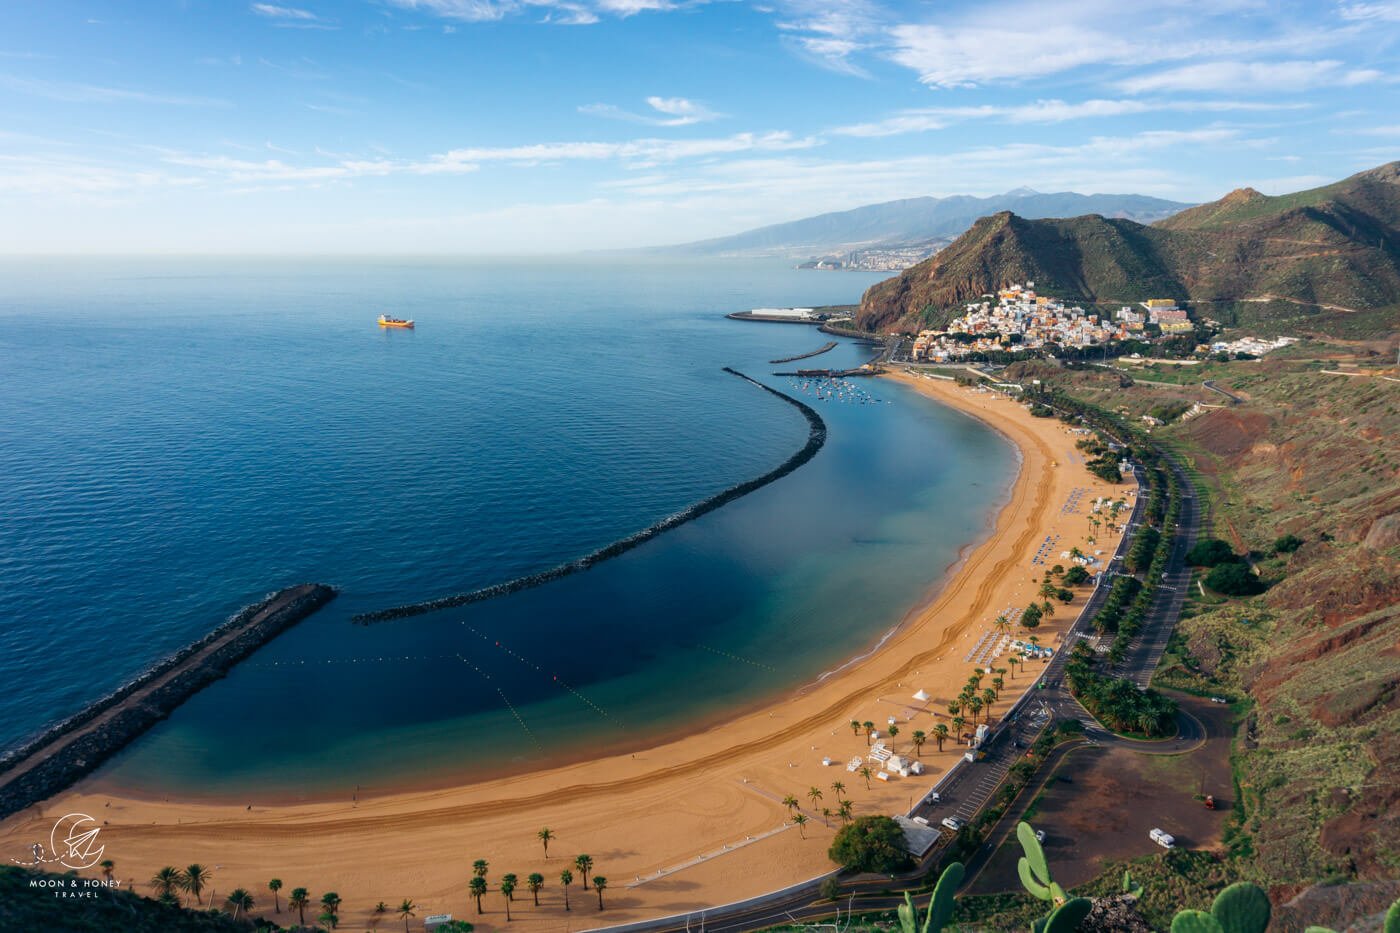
(1162,838)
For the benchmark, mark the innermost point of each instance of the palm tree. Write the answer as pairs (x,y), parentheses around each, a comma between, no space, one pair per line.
(894,730)
(869,727)
(379,911)
(331,902)
(998,684)
(479,867)
(107,865)
(844,810)
(865,772)
(166,882)
(975,706)
(958,723)
(800,821)
(274,886)
(954,708)
(405,911)
(328,920)
(1048,588)
(545,835)
(194,879)
(299,898)
(940,734)
(839,788)
(790,802)
(240,900)
(534,882)
(478,890)
(1002,623)
(1047,608)
(855,727)
(566,878)
(583,863)
(599,884)
(826,816)
(918,738)
(814,794)
(989,696)
(508,889)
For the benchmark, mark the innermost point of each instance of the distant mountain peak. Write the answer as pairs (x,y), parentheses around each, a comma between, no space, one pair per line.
(1389,172)
(1022,192)
(1241,196)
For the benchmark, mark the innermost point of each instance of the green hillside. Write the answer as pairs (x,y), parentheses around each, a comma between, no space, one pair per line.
(1335,248)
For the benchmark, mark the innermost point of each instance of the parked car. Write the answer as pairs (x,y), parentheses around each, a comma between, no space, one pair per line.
(1219,700)
(934,796)
(953,823)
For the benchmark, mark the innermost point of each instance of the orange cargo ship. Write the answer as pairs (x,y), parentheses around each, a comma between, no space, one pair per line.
(386,321)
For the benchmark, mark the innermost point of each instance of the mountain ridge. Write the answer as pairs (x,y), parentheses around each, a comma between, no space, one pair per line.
(912,221)
(1337,245)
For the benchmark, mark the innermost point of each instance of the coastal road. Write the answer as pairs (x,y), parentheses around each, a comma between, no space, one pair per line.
(970,786)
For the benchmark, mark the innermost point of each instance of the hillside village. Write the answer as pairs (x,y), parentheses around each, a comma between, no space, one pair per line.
(1017,318)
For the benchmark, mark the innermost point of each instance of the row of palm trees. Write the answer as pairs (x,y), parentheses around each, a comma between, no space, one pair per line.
(479,887)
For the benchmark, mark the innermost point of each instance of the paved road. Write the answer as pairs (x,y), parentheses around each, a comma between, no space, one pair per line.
(1234,399)
(969,786)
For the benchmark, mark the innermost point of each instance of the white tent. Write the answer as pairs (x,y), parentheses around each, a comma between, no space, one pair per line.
(921,696)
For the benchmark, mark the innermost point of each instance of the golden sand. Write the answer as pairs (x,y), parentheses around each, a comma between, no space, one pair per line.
(688,824)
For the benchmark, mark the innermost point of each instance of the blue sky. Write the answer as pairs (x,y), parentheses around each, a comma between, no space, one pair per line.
(495,126)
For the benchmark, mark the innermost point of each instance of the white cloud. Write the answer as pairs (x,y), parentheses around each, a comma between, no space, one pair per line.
(288,17)
(1243,77)
(71,92)
(831,32)
(947,58)
(924,119)
(669,111)
(1371,12)
(283,12)
(637,151)
(562,12)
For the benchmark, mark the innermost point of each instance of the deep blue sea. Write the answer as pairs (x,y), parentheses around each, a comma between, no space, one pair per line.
(180,437)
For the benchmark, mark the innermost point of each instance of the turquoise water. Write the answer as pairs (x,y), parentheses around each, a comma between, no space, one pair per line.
(184,436)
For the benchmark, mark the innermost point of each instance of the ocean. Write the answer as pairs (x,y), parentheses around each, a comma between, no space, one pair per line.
(183,436)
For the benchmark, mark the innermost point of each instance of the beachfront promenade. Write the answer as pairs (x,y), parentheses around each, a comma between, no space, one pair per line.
(968,787)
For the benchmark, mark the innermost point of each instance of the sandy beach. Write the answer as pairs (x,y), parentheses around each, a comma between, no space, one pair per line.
(694,822)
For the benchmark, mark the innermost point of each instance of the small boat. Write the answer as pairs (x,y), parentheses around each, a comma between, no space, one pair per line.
(386,321)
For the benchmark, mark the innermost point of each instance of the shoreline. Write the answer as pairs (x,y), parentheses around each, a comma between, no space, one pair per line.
(53,760)
(715,790)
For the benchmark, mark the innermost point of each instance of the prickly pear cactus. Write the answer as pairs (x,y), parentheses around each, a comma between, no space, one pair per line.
(908,917)
(1242,908)
(940,909)
(1195,921)
(1319,930)
(1392,918)
(1034,872)
(1129,886)
(1067,917)
(940,906)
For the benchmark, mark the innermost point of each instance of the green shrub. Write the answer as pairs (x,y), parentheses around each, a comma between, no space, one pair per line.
(871,843)
(1234,579)
(1211,552)
(1287,544)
